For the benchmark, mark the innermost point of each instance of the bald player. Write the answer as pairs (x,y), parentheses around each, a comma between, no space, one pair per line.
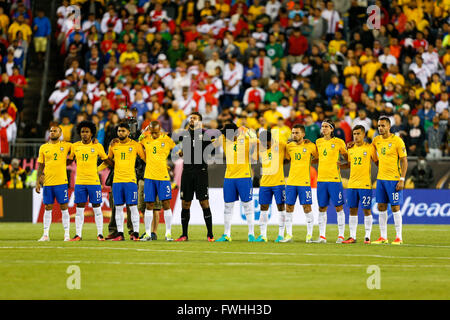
(53,164)
(157,147)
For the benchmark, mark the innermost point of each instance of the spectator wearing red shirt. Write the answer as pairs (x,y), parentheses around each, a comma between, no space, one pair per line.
(355,89)
(298,45)
(293,119)
(20,83)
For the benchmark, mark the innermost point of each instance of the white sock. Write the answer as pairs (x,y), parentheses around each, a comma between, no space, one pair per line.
(250,216)
(368,220)
(398,224)
(322,223)
(382,221)
(79,220)
(227,216)
(353,224)
(47,221)
(282,222)
(119,218)
(148,219)
(168,220)
(288,223)
(341,223)
(263,220)
(135,218)
(309,223)
(98,215)
(66,222)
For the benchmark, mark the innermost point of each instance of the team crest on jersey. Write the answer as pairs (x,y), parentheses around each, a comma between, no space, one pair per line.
(304,150)
(241,141)
(131,149)
(332,146)
(390,145)
(162,145)
(92,150)
(62,149)
(276,148)
(365,153)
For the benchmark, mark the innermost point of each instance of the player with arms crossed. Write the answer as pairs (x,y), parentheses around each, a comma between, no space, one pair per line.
(157,147)
(329,184)
(124,187)
(272,184)
(53,163)
(392,168)
(359,187)
(86,153)
(300,154)
(239,146)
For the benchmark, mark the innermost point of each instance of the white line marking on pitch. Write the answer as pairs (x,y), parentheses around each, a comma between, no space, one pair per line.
(275,264)
(237,252)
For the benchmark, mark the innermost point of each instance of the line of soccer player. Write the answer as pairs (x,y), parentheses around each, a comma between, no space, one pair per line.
(240,148)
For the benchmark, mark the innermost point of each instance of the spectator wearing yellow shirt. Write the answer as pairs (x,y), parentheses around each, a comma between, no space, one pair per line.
(272,114)
(415,13)
(177,116)
(394,77)
(221,6)
(337,42)
(281,131)
(352,70)
(256,8)
(19,25)
(129,54)
(66,128)
(4,20)
(435,86)
(370,69)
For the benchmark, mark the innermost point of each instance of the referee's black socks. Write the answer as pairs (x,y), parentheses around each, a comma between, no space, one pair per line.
(208,221)
(185,215)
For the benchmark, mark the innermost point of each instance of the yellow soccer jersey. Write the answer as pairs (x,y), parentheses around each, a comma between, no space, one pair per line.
(300,155)
(237,156)
(272,165)
(328,151)
(360,159)
(124,156)
(157,151)
(389,152)
(86,156)
(54,157)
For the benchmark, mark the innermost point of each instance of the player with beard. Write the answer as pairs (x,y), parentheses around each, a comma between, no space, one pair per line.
(53,164)
(194,179)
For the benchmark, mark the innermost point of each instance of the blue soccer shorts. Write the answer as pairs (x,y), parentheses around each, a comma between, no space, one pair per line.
(386,193)
(302,192)
(354,196)
(266,193)
(153,187)
(125,193)
(330,190)
(60,192)
(82,191)
(236,188)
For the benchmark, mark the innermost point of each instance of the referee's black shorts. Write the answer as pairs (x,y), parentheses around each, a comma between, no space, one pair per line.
(194,181)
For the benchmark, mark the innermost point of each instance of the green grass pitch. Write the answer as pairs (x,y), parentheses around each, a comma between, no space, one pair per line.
(197,269)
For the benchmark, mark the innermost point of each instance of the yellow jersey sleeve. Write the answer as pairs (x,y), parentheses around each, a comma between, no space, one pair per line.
(237,157)
(87,157)
(101,151)
(272,165)
(360,159)
(329,152)
(389,151)
(157,151)
(54,157)
(299,171)
(124,155)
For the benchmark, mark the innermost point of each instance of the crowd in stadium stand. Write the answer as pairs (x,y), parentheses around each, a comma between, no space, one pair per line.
(263,64)
(17,29)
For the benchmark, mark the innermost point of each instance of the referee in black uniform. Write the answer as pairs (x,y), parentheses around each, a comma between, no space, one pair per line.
(195,174)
